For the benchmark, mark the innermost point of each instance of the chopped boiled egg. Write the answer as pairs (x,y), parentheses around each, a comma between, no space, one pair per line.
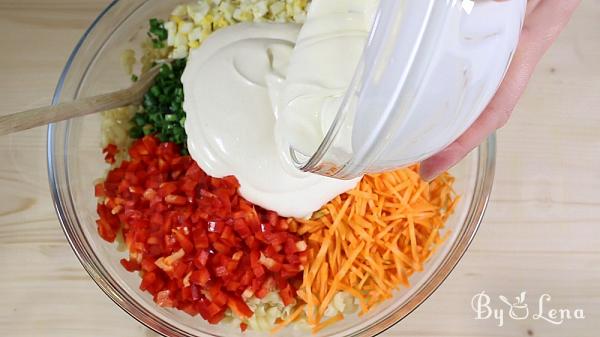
(189,25)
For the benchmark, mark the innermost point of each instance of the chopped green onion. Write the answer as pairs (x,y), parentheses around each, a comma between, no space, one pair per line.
(139,119)
(147,129)
(136,132)
(163,113)
(157,33)
(170,118)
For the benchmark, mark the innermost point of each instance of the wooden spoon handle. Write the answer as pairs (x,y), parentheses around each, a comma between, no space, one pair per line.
(55,113)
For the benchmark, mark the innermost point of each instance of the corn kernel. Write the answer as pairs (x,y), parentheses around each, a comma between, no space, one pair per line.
(176,19)
(194,44)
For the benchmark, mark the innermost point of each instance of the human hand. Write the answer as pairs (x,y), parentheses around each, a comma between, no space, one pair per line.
(544,21)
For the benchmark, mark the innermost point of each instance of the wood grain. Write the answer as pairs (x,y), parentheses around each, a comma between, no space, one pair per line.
(541,232)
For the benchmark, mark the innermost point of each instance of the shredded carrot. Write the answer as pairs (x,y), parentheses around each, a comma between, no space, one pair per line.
(291,318)
(327,323)
(370,240)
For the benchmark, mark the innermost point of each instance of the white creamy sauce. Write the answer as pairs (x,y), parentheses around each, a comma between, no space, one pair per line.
(248,78)
(327,52)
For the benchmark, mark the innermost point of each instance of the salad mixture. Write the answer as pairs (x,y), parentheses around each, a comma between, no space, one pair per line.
(202,248)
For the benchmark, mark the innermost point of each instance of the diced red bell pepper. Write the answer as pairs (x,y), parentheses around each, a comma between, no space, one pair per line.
(164,203)
(184,241)
(130,265)
(287,295)
(239,307)
(99,190)
(218,317)
(200,277)
(110,152)
(218,296)
(176,200)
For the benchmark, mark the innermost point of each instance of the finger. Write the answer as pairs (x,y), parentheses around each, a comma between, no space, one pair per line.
(547,19)
(541,29)
(485,125)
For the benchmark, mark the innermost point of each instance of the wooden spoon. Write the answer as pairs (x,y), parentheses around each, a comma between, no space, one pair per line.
(55,113)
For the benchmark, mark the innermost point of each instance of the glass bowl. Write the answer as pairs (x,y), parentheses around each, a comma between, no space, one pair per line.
(75,161)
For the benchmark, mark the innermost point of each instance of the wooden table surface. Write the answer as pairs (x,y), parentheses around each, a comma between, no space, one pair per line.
(541,233)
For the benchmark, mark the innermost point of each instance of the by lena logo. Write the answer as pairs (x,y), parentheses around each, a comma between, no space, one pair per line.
(518,309)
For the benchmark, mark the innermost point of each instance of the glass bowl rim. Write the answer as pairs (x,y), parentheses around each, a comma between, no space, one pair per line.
(483,186)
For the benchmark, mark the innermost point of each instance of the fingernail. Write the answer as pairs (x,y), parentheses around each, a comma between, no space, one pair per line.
(427,173)
(434,166)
